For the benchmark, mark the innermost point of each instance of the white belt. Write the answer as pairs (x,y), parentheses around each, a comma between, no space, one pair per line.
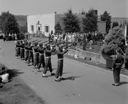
(48,57)
(60,59)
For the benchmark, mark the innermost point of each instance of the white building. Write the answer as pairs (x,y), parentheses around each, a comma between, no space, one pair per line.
(45,23)
(41,23)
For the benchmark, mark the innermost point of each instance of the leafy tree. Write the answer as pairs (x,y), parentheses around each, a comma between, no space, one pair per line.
(58,28)
(90,21)
(106,17)
(71,23)
(8,23)
(113,41)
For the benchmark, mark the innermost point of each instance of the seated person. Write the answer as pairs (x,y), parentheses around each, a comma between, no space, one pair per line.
(4,76)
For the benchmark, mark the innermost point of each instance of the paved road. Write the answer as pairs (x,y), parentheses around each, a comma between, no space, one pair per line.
(84,84)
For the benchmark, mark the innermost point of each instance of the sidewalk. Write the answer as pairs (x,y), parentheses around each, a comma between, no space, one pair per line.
(83,84)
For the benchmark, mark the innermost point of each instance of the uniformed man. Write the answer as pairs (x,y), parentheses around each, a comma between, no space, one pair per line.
(60,53)
(117,65)
(126,58)
(35,55)
(26,52)
(30,56)
(48,64)
(17,48)
(41,56)
(21,50)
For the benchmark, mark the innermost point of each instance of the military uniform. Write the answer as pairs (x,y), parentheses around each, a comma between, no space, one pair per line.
(17,48)
(48,64)
(126,58)
(41,56)
(35,55)
(30,56)
(60,54)
(22,50)
(26,51)
(117,65)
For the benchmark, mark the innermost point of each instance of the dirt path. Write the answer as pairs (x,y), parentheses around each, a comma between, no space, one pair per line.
(84,84)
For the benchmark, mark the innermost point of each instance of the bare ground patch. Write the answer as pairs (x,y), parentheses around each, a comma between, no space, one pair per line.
(17,92)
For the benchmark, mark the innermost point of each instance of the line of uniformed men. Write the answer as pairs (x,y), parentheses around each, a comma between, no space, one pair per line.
(39,55)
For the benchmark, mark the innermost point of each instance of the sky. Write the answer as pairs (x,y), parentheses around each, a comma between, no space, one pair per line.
(116,8)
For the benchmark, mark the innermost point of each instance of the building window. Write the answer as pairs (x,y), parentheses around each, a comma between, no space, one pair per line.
(46,28)
(32,28)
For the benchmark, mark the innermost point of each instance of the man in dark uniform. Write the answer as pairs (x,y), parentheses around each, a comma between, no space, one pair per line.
(117,65)
(60,53)
(21,49)
(41,56)
(26,50)
(48,64)
(17,48)
(126,58)
(30,56)
(35,55)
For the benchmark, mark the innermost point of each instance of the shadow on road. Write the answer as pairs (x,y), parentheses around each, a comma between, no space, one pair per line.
(123,83)
(13,73)
(71,78)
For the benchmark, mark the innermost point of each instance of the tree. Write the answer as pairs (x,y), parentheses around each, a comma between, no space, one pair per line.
(8,23)
(114,40)
(90,21)
(58,28)
(107,18)
(71,23)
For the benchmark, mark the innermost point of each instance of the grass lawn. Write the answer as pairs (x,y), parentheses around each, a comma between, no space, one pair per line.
(17,92)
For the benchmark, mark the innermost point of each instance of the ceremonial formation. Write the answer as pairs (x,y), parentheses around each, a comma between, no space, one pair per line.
(39,55)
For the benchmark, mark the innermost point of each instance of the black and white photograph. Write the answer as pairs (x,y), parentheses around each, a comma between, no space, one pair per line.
(63,51)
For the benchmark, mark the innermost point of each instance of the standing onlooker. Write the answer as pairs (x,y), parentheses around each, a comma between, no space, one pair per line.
(117,65)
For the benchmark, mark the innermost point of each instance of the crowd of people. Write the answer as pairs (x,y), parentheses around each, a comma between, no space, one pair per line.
(39,55)
(77,38)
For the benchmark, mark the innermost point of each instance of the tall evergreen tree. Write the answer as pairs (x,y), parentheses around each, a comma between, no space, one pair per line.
(9,23)
(90,21)
(71,23)
(106,17)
